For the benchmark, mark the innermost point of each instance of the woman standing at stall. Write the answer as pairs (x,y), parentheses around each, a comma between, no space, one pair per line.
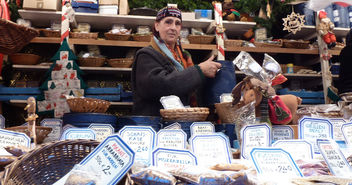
(164,68)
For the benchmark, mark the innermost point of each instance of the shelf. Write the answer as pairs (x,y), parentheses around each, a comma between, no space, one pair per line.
(309,32)
(99,22)
(24,103)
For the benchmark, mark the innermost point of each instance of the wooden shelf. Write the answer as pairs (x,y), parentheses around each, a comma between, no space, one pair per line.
(24,103)
(309,32)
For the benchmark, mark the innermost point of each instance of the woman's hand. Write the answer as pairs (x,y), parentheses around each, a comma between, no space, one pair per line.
(209,67)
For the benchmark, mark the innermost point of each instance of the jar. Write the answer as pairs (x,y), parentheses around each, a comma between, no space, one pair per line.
(290,68)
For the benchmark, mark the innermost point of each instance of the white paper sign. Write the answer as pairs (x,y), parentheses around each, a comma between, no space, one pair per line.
(211,149)
(165,158)
(67,126)
(282,132)
(347,132)
(2,122)
(78,133)
(337,124)
(10,138)
(311,129)
(299,149)
(175,139)
(56,125)
(202,128)
(142,141)
(254,136)
(173,126)
(274,161)
(334,158)
(102,131)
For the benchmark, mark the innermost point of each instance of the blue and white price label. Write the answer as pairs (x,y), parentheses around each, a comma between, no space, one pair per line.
(102,131)
(2,122)
(334,158)
(346,130)
(166,158)
(337,124)
(211,149)
(173,126)
(10,138)
(175,139)
(202,128)
(299,149)
(254,136)
(274,161)
(311,129)
(142,141)
(78,133)
(56,126)
(282,132)
(67,126)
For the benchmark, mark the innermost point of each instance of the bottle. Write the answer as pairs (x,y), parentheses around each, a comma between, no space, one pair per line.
(290,68)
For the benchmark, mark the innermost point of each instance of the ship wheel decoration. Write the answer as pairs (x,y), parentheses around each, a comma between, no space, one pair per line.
(293,22)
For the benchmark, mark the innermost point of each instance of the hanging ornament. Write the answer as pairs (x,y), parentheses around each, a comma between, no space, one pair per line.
(268,9)
(293,22)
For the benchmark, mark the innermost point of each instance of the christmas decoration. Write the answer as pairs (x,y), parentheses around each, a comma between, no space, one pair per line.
(31,109)
(293,22)
(325,29)
(219,31)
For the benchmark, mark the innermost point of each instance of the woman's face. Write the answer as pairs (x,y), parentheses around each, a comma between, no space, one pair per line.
(169,29)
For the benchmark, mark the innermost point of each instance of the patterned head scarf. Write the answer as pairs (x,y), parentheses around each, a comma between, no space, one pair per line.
(168,12)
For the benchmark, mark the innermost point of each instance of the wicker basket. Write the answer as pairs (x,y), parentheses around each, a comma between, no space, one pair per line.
(91,61)
(48,163)
(142,38)
(186,114)
(41,132)
(226,111)
(88,105)
(269,45)
(200,39)
(298,44)
(112,36)
(24,58)
(120,62)
(50,33)
(233,43)
(78,35)
(13,36)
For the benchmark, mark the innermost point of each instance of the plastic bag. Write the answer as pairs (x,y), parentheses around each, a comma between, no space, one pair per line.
(153,175)
(78,176)
(271,66)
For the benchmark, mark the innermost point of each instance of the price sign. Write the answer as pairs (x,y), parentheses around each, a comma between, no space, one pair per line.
(211,149)
(282,132)
(347,132)
(102,131)
(337,124)
(142,141)
(56,125)
(254,136)
(78,133)
(173,126)
(10,138)
(333,156)
(202,128)
(175,139)
(2,122)
(67,126)
(299,149)
(166,158)
(311,129)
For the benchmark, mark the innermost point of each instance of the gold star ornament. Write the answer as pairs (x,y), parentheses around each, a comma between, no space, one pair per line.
(293,22)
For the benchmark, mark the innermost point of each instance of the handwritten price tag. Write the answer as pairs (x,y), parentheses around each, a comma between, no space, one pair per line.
(142,141)
(274,161)
(170,158)
(201,128)
(175,139)
(9,138)
(333,156)
(254,136)
(211,149)
(337,124)
(56,125)
(78,133)
(311,129)
(102,131)
(282,132)
(347,132)
(299,149)
(173,126)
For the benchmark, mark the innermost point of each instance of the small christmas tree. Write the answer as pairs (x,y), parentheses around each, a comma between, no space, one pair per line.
(63,78)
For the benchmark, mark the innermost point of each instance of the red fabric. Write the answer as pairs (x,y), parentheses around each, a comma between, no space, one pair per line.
(279,79)
(322,14)
(343,4)
(279,113)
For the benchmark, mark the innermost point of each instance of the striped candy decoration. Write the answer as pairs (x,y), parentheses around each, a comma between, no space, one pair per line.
(219,31)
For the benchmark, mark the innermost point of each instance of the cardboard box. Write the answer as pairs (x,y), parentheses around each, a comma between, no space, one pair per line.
(108,2)
(108,9)
(42,4)
(123,7)
(188,15)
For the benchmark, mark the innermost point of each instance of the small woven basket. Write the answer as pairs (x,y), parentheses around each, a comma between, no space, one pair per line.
(270,45)
(200,39)
(120,62)
(298,44)
(88,105)
(41,132)
(13,36)
(50,33)
(24,58)
(226,112)
(122,37)
(233,43)
(79,35)
(186,114)
(48,163)
(91,61)
(142,38)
